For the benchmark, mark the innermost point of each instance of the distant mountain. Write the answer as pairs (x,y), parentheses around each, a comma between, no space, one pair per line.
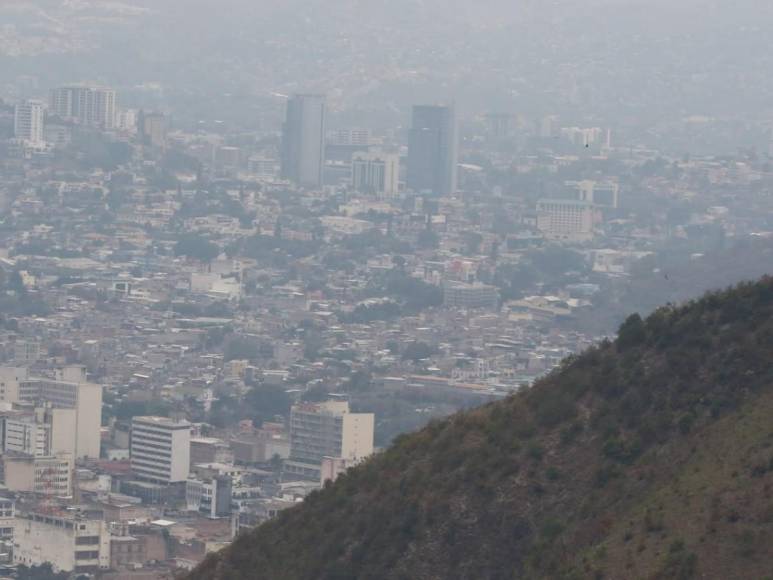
(647,457)
(622,60)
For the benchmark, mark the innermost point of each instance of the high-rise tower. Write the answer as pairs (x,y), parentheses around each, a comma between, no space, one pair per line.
(432,149)
(85,104)
(303,140)
(28,121)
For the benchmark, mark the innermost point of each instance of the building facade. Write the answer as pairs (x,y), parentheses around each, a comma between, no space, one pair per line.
(46,476)
(42,431)
(476,295)
(88,105)
(303,140)
(152,129)
(210,496)
(70,544)
(24,434)
(160,449)
(358,137)
(376,172)
(319,430)
(7,518)
(432,150)
(69,389)
(565,219)
(603,194)
(28,120)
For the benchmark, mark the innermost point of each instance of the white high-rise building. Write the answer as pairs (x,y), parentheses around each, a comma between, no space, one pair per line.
(160,449)
(376,172)
(23,434)
(41,432)
(89,105)
(71,390)
(28,121)
(320,430)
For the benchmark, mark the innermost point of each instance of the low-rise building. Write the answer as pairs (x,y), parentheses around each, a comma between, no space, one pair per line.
(48,476)
(210,496)
(565,219)
(477,295)
(70,543)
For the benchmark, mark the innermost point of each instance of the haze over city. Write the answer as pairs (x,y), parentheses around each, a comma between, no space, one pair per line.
(357,289)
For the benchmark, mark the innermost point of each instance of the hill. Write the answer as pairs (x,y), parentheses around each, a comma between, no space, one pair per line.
(647,457)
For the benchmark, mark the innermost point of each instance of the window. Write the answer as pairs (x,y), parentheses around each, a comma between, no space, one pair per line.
(87,540)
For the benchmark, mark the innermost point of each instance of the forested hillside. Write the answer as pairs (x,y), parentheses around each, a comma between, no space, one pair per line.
(647,457)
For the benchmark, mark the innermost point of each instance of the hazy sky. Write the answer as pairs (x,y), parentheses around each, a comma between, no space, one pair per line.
(603,57)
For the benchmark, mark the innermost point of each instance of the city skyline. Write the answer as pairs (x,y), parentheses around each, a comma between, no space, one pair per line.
(316,289)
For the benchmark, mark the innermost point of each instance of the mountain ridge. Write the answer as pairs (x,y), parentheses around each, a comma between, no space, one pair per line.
(647,457)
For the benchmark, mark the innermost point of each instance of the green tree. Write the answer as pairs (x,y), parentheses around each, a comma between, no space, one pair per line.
(393,346)
(417,351)
(240,348)
(263,402)
(43,572)
(196,247)
(632,332)
(427,240)
(472,242)
(358,381)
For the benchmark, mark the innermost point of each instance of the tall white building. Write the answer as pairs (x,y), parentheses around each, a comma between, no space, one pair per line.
(28,121)
(23,434)
(320,430)
(89,105)
(69,390)
(376,172)
(160,449)
(69,543)
(41,432)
